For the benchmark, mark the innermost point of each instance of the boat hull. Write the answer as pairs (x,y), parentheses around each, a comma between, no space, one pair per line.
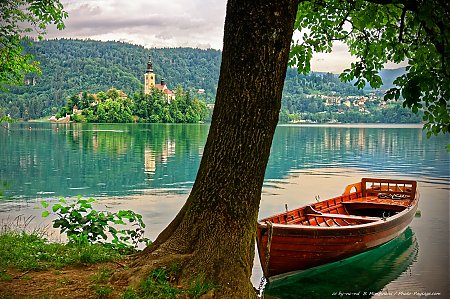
(380,266)
(297,247)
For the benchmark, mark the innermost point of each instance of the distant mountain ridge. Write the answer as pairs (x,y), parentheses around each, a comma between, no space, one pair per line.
(389,75)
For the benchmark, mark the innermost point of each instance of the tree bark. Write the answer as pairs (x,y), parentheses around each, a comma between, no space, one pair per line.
(213,235)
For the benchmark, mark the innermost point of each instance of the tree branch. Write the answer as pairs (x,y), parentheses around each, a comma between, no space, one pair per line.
(402,25)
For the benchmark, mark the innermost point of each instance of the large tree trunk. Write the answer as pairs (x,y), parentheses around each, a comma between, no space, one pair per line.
(214,233)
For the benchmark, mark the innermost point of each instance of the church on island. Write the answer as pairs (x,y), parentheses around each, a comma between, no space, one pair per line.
(149,83)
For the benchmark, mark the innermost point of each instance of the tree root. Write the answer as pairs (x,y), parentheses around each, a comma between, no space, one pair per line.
(141,268)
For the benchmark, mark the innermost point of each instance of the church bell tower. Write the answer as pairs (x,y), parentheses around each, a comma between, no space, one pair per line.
(149,77)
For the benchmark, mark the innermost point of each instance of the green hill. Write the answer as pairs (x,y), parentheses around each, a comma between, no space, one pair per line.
(73,66)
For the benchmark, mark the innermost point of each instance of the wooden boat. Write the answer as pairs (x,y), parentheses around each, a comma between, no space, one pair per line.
(367,215)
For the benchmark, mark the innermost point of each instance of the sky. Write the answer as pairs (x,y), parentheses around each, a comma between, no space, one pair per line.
(158,23)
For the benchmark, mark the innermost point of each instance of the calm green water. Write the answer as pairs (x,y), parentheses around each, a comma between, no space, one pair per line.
(151,168)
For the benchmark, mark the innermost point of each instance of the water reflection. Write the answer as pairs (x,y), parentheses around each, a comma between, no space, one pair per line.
(362,276)
(124,159)
(98,160)
(378,149)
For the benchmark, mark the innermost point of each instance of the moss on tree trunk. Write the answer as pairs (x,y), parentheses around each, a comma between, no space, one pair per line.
(214,233)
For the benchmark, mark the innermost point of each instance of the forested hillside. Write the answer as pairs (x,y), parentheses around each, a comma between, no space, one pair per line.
(73,66)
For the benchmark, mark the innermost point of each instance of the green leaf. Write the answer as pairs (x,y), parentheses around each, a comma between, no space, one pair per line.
(56,207)
(45,214)
(85,205)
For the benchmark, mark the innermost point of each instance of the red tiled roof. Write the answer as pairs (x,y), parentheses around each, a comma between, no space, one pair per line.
(163,88)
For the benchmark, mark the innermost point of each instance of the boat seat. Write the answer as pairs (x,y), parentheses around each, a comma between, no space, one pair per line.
(346,217)
(375,202)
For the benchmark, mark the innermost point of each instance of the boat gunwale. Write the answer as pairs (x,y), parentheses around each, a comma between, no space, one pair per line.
(262,223)
(364,199)
(413,203)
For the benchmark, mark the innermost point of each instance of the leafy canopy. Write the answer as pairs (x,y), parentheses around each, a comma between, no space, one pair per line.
(19,18)
(378,31)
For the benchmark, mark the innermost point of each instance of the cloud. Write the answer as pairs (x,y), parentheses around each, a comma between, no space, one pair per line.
(334,62)
(149,23)
(339,59)
(175,23)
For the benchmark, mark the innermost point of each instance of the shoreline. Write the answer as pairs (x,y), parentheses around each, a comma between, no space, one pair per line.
(336,125)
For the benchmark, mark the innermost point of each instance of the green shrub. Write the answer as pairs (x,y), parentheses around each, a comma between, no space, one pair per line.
(83,224)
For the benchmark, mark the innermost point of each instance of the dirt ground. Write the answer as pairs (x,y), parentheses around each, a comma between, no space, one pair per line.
(69,282)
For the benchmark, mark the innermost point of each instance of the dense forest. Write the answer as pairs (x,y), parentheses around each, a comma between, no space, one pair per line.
(73,66)
(114,106)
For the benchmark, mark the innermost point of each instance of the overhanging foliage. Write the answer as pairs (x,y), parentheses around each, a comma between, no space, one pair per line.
(379,31)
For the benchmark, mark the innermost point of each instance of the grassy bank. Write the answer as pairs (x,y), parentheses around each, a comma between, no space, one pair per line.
(25,251)
(33,267)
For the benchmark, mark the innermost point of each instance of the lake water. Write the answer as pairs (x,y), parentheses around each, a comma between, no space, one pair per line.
(150,168)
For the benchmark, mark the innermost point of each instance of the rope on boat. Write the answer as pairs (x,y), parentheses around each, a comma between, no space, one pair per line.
(269,243)
(267,257)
